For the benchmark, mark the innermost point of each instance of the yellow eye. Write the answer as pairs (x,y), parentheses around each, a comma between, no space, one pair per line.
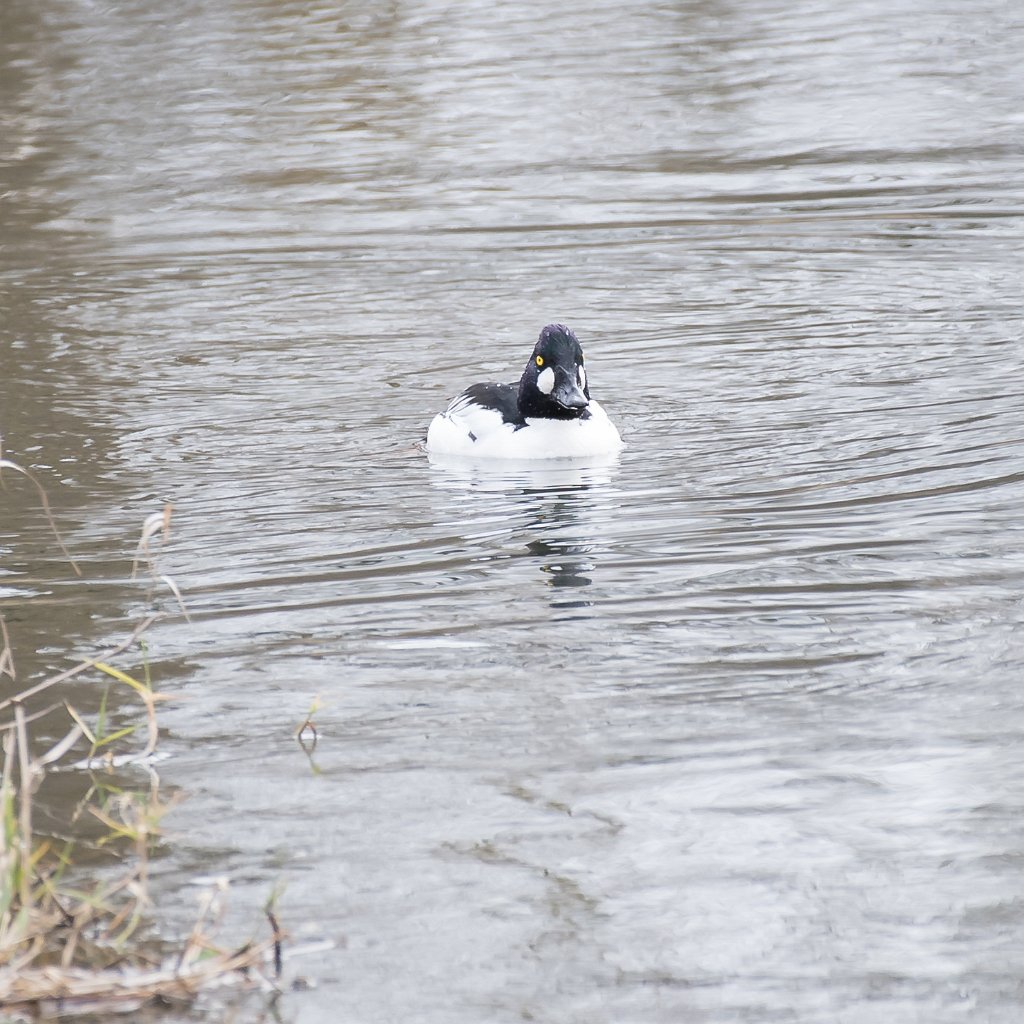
(539,360)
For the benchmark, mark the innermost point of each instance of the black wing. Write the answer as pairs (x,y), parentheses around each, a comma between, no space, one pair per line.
(502,398)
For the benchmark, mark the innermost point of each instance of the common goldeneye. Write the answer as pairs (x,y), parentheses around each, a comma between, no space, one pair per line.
(548,414)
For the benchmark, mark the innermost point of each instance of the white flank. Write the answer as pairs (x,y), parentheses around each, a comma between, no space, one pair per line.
(450,431)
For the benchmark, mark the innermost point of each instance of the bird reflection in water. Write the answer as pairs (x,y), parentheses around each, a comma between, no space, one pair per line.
(563,556)
(557,505)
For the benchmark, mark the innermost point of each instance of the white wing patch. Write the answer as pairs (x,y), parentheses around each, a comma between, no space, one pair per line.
(459,429)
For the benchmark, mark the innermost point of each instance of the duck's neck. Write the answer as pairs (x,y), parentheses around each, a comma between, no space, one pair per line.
(534,404)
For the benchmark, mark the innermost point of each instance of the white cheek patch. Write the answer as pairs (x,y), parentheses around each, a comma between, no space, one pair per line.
(546,381)
(583,377)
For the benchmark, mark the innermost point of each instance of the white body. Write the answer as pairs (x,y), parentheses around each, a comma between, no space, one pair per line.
(449,434)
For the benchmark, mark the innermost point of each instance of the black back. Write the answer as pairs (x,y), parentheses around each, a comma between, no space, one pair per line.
(502,398)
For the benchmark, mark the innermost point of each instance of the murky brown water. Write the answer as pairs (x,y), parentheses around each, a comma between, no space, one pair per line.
(728,731)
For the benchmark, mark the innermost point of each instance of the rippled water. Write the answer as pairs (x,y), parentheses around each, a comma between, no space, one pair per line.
(726,730)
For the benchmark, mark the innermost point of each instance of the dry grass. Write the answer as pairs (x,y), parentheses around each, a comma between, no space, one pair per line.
(74,939)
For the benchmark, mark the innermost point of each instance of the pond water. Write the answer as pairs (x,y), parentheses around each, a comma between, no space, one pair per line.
(726,730)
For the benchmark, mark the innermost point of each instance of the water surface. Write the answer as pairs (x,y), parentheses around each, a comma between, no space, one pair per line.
(725,730)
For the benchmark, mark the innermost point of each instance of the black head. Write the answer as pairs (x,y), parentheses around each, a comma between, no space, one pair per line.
(554,383)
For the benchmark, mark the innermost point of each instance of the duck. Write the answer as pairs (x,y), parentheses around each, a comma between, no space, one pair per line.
(547,414)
